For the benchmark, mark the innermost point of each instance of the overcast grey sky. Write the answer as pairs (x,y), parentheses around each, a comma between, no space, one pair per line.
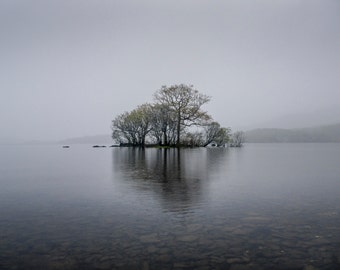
(68,67)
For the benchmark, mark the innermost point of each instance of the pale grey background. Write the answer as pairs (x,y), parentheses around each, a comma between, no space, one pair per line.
(69,67)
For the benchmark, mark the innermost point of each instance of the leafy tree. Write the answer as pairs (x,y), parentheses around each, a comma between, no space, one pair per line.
(193,139)
(169,120)
(237,139)
(133,127)
(121,131)
(185,103)
(163,124)
(214,132)
(223,136)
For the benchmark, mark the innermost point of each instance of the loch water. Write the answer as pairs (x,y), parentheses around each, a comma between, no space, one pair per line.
(262,206)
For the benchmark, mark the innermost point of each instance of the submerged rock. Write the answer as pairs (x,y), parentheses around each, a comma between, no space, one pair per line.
(150,238)
(115,145)
(188,238)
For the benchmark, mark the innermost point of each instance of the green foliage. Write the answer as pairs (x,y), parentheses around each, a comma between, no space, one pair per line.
(215,133)
(185,103)
(133,127)
(164,124)
(169,121)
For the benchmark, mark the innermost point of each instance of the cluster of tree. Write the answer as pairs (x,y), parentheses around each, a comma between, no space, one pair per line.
(237,139)
(170,121)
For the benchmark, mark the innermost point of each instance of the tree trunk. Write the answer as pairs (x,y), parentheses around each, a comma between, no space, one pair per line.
(165,138)
(178,128)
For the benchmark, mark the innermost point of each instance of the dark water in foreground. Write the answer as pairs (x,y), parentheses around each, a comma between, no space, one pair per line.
(264,206)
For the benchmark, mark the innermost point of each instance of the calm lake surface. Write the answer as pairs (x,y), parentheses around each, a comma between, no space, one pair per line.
(263,206)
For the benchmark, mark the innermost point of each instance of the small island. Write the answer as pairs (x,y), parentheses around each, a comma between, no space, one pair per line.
(174,119)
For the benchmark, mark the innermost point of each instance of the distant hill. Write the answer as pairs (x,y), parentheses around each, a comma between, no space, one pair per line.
(97,139)
(323,116)
(329,133)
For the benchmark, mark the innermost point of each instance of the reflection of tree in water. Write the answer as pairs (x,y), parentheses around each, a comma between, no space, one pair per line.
(177,176)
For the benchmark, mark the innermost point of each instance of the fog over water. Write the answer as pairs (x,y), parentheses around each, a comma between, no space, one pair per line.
(69,67)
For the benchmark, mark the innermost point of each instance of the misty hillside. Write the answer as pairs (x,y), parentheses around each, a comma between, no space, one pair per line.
(97,139)
(322,117)
(329,133)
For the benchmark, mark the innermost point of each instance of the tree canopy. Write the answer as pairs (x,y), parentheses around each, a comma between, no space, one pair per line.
(174,118)
(185,104)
